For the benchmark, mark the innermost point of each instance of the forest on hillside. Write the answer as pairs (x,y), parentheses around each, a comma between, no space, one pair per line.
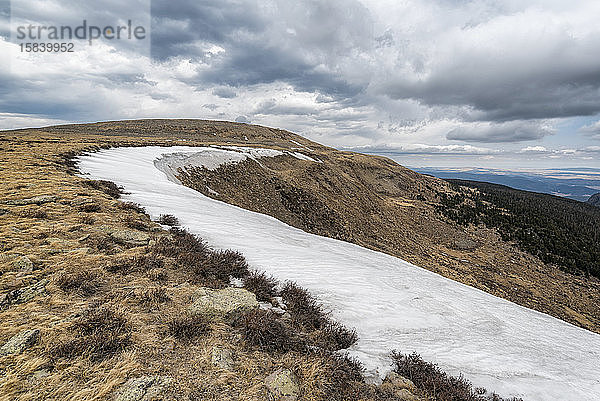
(559,231)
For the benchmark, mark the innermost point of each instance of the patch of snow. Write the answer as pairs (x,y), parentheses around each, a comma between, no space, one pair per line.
(393,304)
(299,144)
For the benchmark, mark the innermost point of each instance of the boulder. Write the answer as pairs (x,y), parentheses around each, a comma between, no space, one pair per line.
(38,200)
(20,342)
(144,388)
(227,303)
(282,385)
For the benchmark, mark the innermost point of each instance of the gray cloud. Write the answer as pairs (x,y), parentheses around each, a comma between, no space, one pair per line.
(514,131)
(224,92)
(347,72)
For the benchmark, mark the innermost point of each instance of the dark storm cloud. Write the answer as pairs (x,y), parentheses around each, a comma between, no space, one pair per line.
(301,44)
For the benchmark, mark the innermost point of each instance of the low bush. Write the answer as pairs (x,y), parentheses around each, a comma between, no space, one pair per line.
(181,242)
(263,286)
(83,282)
(335,336)
(430,379)
(132,206)
(90,208)
(306,312)
(136,223)
(265,330)
(98,334)
(344,377)
(88,220)
(108,187)
(188,327)
(153,297)
(221,264)
(168,220)
(34,213)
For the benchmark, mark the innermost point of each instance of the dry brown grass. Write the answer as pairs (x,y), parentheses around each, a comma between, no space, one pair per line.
(103,293)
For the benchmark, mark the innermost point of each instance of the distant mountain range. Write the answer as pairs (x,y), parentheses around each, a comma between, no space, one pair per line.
(575,183)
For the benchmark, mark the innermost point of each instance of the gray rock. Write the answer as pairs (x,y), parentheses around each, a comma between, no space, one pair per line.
(38,200)
(227,303)
(23,295)
(222,358)
(145,388)
(23,264)
(20,342)
(282,385)
(130,237)
(401,387)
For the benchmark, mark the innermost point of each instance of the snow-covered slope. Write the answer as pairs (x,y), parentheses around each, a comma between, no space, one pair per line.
(393,305)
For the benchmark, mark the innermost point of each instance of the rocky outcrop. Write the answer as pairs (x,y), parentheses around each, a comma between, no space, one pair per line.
(145,388)
(283,385)
(594,200)
(20,342)
(23,295)
(227,303)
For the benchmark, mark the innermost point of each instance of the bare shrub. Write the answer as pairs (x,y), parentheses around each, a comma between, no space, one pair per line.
(82,282)
(263,286)
(265,330)
(90,208)
(131,206)
(188,327)
(168,220)
(108,187)
(430,379)
(34,213)
(100,333)
(153,297)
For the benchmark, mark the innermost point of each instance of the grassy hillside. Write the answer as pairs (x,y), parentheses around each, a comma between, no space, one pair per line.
(559,231)
(98,302)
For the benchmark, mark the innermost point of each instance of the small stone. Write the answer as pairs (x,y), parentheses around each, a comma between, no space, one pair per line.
(144,388)
(23,264)
(226,303)
(282,385)
(38,200)
(3,212)
(20,342)
(222,358)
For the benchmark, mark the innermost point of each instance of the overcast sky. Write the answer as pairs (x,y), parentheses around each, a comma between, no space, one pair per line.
(433,82)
